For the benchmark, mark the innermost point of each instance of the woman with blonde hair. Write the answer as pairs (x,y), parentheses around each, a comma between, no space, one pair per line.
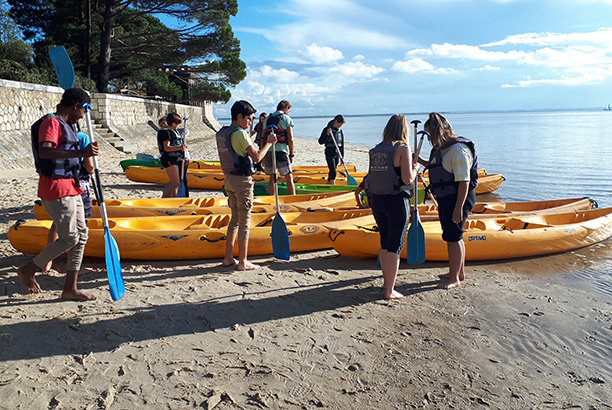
(453,175)
(390,174)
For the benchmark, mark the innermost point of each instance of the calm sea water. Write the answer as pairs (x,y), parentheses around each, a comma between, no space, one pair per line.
(542,155)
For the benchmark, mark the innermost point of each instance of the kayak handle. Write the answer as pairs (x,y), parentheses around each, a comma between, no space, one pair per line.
(204,238)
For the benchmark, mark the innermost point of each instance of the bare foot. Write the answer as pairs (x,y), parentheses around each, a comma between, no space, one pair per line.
(449,284)
(47,267)
(247,266)
(77,295)
(229,262)
(397,285)
(448,276)
(26,275)
(393,295)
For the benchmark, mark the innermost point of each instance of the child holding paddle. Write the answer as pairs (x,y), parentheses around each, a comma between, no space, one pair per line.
(453,175)
(55,146)
(238,156)
(171,147)
(333,139)
(391,170)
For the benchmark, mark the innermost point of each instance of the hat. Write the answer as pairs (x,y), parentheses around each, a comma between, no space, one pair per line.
(339,118)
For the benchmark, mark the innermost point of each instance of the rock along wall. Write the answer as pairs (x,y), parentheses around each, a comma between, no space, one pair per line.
(21,104)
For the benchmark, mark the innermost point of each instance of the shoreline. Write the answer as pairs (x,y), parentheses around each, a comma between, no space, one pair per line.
(312,332)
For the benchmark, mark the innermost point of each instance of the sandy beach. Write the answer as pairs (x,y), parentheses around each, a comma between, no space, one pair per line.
(309,333)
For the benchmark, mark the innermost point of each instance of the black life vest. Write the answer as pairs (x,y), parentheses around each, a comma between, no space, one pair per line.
(232,163)
(61,167)
(442,182)
(382,179)
(176,140)
(273,124)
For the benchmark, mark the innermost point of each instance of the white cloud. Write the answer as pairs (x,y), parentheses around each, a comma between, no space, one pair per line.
(458,51)
(321,55)
(603,36)
(267,73)
(418,65)
(356,70)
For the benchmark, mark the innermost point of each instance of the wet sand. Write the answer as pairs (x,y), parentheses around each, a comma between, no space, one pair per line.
(313,332)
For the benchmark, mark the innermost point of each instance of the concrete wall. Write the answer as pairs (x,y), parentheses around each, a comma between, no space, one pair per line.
(21,104)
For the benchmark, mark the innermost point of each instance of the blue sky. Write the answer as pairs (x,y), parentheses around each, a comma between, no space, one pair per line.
(386,56)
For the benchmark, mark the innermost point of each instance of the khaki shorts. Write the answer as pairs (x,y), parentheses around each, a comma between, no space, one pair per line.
(283,165)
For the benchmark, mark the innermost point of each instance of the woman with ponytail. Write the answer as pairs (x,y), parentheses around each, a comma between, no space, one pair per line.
(453,175)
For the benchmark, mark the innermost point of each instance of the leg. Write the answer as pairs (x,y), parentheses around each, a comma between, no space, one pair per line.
(232,227)
(244,199)
(271,186)
(290,184)
(389,262)
(26,275)
(75,255)
(174,177)
(456,260)
(51,237)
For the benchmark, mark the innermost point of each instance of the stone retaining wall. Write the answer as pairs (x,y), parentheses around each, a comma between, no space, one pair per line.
(21,104)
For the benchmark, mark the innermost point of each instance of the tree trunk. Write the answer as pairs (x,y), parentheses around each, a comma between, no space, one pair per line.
(105,46)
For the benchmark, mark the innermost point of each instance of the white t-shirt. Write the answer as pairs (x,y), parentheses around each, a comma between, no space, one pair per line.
(458,159)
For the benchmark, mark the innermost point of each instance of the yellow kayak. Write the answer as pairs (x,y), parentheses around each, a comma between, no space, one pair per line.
(190,237)
(501,237)
(123,208)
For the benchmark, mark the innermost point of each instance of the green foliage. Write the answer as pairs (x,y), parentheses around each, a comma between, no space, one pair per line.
(144,53)
(16,71)
(17,51)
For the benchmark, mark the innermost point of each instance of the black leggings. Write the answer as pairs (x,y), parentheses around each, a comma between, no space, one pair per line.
(333,160)
(392,213)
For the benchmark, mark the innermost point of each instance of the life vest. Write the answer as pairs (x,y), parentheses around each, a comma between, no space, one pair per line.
(176,140)
(338,135)
(382,179)
(273,123)
(442,182)
(61,167)
(232,163)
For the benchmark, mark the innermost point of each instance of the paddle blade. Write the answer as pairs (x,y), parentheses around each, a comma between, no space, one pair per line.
(416,242)
(280,238)
(350,180)
(63,67)
(182,190)
(113,266)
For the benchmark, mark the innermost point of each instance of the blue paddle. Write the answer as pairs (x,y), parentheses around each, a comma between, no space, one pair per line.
(349,179)
(111,250)
(63,67)
(65,77)
(280,235)
(415,249)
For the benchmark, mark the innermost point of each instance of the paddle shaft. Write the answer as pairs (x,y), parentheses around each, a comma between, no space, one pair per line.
(98,190)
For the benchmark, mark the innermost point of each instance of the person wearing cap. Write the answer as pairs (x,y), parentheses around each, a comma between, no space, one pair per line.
(333,155)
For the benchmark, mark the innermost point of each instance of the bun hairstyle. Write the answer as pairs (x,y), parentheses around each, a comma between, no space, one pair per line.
(439,129)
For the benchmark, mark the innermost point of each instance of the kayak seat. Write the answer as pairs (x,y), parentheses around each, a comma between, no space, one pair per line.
(517,224)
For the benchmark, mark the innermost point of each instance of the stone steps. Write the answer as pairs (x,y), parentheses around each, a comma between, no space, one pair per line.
(113,139)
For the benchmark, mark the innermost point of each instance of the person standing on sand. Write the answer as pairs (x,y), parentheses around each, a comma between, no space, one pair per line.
(283,149)
(390,171)
(333,151)
(55,146)
(453,175)
(86,168)
(238,157)
(171,146)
